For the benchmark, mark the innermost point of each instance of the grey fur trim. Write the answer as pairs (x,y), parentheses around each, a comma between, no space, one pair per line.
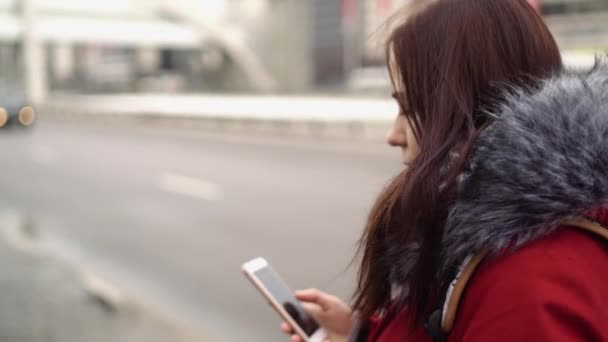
(545,158)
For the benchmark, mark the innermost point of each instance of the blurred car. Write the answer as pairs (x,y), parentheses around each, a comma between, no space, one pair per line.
(14,109)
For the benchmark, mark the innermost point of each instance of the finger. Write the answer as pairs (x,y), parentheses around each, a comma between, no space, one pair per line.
(308,294)
(314,296)
(286,328)
(296,338)
(312,308)
(315,311)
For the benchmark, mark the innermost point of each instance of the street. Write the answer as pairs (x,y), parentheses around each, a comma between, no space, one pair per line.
(171,214)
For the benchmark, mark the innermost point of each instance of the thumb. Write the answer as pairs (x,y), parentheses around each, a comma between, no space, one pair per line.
(314,296)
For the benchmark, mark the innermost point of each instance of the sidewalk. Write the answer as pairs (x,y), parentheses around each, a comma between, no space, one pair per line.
(44,300)
(345,118)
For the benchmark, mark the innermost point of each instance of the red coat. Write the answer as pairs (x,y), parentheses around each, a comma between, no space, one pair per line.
(543,160)
(553,289)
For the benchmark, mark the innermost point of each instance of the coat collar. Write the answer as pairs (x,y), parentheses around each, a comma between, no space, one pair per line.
(544,159)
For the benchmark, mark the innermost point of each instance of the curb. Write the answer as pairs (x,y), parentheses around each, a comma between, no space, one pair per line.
(345,119)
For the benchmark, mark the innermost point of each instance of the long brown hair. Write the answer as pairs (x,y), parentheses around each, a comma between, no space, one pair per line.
(450,63)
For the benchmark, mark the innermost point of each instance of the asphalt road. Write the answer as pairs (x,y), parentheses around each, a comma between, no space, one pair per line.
(170,215)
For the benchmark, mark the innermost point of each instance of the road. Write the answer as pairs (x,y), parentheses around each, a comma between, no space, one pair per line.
(171,214)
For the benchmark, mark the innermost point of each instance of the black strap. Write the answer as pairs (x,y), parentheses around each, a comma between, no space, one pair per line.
(362,335)
(432,326)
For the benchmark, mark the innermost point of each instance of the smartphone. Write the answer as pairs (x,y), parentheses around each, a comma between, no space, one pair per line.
(281,298)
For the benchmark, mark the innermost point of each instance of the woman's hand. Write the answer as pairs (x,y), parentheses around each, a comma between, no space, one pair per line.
(329,311)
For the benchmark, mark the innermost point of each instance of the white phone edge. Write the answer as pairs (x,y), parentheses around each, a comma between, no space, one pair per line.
(249,268)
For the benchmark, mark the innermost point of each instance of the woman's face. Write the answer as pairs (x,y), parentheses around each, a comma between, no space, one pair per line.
(402,135)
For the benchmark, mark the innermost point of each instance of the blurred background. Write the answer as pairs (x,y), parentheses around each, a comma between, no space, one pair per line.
(150,147)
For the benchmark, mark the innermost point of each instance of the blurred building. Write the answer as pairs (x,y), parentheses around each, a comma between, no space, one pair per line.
(100,46)
(578,24)
(236,45)
(280,34)
(130,46)
(580,27)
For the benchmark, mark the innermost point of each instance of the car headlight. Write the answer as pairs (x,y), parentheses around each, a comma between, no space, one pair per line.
(27,116)
(3,117)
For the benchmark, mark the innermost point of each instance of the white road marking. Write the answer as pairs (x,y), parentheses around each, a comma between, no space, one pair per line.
(188,186)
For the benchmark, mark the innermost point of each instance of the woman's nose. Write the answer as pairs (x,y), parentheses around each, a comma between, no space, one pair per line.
(395,137)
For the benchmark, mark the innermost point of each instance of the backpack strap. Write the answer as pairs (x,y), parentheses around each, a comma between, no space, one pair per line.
(457,288)
(588,225)
(470,265)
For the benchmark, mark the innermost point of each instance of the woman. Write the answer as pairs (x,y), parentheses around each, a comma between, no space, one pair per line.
(505,152)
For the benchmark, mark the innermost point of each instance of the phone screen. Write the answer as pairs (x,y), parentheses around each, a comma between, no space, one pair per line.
(283,295)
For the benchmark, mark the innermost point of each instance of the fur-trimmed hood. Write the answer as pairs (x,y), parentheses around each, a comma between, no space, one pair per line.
(544,159)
